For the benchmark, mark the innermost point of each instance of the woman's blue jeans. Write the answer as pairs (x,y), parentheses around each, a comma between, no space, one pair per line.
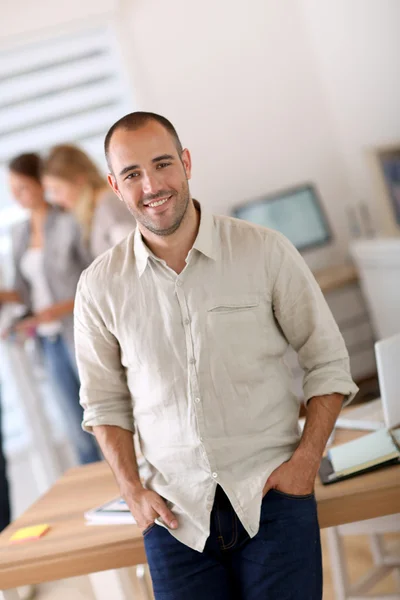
(63,374)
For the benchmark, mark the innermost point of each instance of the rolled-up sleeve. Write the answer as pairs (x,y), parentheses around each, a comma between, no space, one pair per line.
(104,394)
(308,324)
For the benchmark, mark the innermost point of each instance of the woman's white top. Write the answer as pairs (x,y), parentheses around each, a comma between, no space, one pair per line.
(32,268)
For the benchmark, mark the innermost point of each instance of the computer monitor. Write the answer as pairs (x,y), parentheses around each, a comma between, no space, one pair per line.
(296,212)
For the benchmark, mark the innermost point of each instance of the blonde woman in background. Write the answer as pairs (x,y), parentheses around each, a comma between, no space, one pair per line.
(73,181)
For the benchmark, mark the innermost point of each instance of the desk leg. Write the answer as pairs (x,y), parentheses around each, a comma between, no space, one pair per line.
(116,584)
(9,595)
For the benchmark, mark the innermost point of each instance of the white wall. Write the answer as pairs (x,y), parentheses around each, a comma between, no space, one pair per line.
(240,83)
(356,45)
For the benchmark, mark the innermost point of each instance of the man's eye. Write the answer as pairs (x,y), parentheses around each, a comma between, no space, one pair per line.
(163,165)
(132,175)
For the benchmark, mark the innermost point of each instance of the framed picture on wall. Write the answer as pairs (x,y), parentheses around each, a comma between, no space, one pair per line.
(385,163)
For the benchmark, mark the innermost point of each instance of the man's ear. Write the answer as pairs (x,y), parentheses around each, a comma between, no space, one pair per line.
(112,182)
(187,162)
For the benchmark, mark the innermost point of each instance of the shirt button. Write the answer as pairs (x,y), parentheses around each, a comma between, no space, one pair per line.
(197,400)
(202,439)
(179,283)
(215,475)
(187,321)
(192,360)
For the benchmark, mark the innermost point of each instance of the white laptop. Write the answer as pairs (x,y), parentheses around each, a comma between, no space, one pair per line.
(387,354)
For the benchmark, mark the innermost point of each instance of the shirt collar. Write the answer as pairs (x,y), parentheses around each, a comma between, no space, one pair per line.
(204,242)
(142,252)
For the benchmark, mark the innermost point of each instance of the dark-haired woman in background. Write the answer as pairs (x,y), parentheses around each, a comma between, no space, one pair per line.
(49,257)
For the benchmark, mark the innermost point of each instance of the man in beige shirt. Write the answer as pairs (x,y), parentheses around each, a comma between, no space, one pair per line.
(181,331)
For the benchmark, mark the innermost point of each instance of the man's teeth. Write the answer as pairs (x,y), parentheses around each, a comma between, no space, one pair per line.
(158,203)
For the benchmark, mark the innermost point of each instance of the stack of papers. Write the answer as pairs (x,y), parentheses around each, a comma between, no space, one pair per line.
(365,417)
(115,512)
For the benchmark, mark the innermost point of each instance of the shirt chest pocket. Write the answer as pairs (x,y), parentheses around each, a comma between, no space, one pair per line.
(234,322)
(229,305)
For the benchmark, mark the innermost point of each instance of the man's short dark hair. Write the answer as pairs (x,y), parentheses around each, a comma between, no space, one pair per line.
(136,120)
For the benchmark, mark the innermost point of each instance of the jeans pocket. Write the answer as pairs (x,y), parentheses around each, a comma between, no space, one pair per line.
(293,496)
(148,529)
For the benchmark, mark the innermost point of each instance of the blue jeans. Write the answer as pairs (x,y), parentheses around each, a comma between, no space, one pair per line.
(4,492)
(282,562)
(63,374)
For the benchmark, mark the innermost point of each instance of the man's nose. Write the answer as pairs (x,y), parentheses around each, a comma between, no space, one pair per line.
(151,183)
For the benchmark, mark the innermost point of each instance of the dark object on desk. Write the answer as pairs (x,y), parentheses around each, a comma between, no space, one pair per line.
(296,212)
(328,475)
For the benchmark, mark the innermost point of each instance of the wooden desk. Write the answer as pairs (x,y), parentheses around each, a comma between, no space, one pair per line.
(72,548)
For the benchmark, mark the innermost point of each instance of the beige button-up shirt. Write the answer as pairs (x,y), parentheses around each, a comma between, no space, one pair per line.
(196,362)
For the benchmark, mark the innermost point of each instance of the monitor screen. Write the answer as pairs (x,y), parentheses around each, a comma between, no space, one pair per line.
(297,213)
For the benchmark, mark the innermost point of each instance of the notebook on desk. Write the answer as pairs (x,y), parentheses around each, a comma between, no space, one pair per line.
(373,451)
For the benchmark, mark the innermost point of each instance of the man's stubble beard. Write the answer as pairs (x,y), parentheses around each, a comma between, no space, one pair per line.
(183,200)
